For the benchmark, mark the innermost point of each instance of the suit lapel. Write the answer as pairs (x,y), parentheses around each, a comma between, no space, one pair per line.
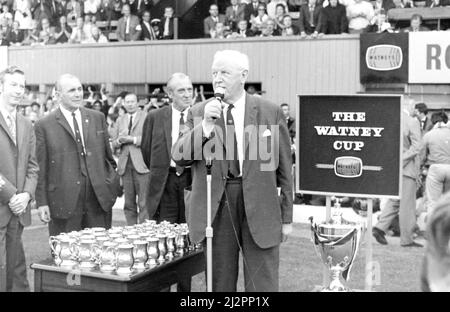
(20,132)
(249,130)
(5,127)
(168,128)
(63,122)
(85,121)
(136,119)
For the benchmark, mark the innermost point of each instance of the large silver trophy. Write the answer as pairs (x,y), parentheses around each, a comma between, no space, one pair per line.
(337,243)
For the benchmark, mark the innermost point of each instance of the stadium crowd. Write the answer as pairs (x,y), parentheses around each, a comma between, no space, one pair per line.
(45,22)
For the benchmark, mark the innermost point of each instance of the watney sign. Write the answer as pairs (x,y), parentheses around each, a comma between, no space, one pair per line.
(384,57)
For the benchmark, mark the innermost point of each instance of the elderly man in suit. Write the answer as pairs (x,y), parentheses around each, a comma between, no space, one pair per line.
(248,140)
(209,23)
(18,179)
(161,130)
(405,208)
(127,26)
(131,166)
(78,184)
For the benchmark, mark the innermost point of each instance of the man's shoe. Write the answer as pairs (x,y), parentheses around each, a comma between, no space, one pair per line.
(379,236)
(413,244)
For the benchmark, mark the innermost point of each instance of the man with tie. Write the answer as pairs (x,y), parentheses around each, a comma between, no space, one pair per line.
(78,184)
(18,179)
(131,166)
(309,18)
(127,26)
(421,113)
(249,214)
(167,23)
(209,23)
(251,9)
(146,29)
(161,130)
(233,14)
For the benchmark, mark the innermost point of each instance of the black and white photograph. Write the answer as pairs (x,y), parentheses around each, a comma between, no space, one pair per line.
(225,151)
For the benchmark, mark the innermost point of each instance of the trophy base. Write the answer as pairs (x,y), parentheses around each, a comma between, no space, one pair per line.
(68,263)
(87,265)
(124,271)
(107,268)
(139,267)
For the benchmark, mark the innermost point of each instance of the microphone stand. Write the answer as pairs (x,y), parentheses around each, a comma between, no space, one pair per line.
(209,229)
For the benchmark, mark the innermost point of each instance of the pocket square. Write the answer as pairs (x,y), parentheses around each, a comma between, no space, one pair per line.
(267,133)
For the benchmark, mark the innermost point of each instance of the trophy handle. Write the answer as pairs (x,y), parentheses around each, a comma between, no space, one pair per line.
(51,242)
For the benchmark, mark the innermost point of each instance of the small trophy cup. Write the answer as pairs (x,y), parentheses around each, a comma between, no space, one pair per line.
(337,242)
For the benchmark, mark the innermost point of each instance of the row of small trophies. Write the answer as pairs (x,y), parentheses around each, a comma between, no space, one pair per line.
(122,250)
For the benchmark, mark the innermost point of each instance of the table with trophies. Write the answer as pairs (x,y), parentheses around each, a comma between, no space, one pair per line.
(143,257)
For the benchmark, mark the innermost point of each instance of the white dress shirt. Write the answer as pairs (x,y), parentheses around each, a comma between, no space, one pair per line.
(68,115)
(176,114)
(127,25)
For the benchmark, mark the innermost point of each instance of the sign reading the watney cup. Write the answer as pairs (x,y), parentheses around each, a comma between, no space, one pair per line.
(349,145)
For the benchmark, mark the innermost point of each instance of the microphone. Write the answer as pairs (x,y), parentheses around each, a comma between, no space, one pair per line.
(219,94)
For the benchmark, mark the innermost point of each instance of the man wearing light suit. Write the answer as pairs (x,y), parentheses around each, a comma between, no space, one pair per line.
(127,26)
(131,166)
(18,179)
(78,184)
(251,160)
(405,208)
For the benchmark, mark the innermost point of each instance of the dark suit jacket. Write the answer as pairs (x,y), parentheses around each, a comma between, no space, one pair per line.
(291,128)
(18,166)
(264,209)
(59,181)
(305,15)
(15,38)
(333,20)
(209,24)
(156,148)
(145,32)
(130,150)
(421,28)
(161,25)
(249,10)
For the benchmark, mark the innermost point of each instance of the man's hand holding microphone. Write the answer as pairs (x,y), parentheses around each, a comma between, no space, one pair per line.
(213,110)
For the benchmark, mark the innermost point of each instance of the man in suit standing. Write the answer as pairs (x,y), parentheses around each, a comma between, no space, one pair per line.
(248,214)
(233,14)
(251,9)
(209,23)
(18,175)
(167,24)
(131,166)
(78,184)
(309,18)
(421,113)
(127,26)
(146,29)
(161,131)
(406,206)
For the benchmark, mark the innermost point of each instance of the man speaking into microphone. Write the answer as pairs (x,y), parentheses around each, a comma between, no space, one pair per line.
(248,140)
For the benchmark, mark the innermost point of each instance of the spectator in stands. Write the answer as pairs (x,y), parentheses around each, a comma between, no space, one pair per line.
(272,7)
(156,25)
(105,11)
(280,12)
(270,30)
(333,19)
(60,8)
(47,37)
(73,10)
(220,31)
(359,15)
(41,9)
(242,31)
(16,35)
(3,40)
(142,6)
(127,26)
(96,36)
(251,10)
(22,13)
(209,23)
(117,10)
(166,26)
(146,31)
(78,35)
(5,14)
(289,29)
(309,18)
(32,34)
(380,18)
(416,24)
(5,28)
(259,21)
(91,6)
(45,25)
(62,31)
(36,107)
(233,14)
(87,25)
